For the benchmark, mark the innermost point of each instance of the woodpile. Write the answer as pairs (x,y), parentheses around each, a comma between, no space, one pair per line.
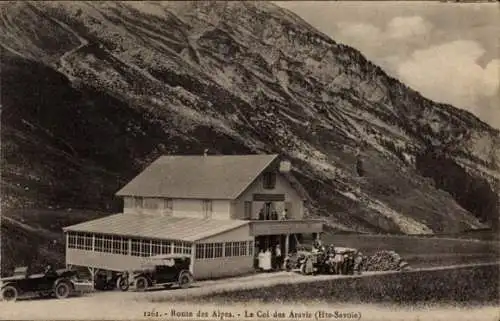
(385,261)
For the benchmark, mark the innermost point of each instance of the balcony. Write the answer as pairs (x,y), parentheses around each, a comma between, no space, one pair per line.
(277,227)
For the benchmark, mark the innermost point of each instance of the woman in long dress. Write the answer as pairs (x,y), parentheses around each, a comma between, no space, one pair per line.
(267,260)
(261,260)
(309,268)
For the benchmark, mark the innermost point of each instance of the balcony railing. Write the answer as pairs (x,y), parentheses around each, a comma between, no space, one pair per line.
(289,226)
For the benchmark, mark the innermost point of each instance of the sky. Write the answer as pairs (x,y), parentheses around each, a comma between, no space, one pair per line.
(449,52)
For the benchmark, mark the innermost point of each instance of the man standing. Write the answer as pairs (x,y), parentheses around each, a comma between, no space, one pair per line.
(284,214)
(345,264)
(279,258)
(261,214)
(358,261)
(338,260)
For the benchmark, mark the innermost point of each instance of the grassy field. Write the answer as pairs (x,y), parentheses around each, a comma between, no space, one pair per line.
(468,287)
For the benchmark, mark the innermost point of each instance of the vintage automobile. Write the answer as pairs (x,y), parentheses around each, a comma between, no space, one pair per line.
(107,280)
(320,261)
(298,261)
(53,282)
(160,270)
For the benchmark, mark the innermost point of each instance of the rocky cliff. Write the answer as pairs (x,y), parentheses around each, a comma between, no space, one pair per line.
(94,91)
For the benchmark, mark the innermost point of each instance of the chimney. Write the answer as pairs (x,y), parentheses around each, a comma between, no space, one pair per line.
(285,166)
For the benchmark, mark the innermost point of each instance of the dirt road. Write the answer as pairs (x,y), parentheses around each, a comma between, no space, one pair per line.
(132,305)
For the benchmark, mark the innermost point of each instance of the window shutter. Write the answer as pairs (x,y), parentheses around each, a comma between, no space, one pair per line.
(168,206)
(248,211)
(139,202)
(269,180)
(288,208)
(128,202)
(207,208)
(151,203)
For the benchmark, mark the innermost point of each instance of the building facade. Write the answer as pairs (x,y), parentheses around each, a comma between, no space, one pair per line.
(220,210)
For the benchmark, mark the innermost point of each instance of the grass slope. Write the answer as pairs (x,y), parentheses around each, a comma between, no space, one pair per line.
(35,238)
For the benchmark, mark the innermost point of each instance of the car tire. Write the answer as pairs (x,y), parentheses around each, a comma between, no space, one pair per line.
(62,290)
(185,280)
(141,284)
(122,284)
(9,293)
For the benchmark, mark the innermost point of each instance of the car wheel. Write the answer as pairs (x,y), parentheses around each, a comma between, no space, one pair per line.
(184,280)
(141,283)
(122,284)
(62,290)
(9,293)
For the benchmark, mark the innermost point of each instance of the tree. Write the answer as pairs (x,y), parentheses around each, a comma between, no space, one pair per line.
(359,166)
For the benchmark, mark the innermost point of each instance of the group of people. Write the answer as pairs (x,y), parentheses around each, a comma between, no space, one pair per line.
(270,259)
(273,215)
(335,261)
(344,263)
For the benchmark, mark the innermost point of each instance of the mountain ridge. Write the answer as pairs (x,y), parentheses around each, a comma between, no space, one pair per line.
(235,77)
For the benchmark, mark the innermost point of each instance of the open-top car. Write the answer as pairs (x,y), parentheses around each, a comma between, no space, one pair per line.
(305,262)
(161,270)
(52,282)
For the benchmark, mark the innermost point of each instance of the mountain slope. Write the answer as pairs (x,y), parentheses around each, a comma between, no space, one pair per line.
(114,85)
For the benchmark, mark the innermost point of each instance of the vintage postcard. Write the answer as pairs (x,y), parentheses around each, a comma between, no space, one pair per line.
(227,160)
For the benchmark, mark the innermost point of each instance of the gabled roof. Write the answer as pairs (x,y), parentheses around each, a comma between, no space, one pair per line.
(157,226)
(198,177)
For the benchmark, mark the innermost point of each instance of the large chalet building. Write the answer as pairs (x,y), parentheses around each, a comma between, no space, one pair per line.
(220,210)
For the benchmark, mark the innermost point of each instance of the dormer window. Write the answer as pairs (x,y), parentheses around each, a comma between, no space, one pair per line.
(269,180)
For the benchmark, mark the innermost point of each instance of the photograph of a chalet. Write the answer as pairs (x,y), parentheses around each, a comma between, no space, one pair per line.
(296,160)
